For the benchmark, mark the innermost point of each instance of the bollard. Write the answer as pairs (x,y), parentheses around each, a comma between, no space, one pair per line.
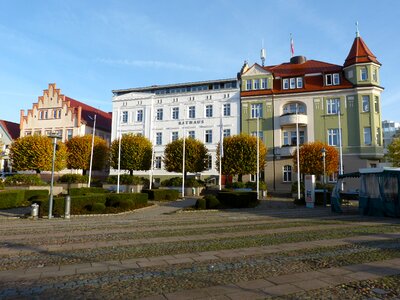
(67,210)
(193,191)
(34,211)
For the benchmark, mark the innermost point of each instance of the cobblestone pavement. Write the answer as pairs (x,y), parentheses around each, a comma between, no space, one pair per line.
(161,252)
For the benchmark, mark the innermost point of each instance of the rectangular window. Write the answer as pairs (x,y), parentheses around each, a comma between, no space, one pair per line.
(299,82)
(209,111)
(375,75)
(332,106)
(256,83)
(37,132)
(124,117)
(292,83)
(285,84)
(192,134)
(364,74)
(260,134)
(328,79)
(333,137)
(46,114)
(248,84)
(139,115)
(175,113)
(287,173)
(159,138)
(256,110)
(69,134)
(365,103)
(160,114)
(208,136)
(286,138)
(192,112)
(174,135)
(264,83)
(378,136)
(227,109)
(227,132)
(209,161)
(28,133)
(293,138)
(376,104)
(301,141)
(157,162)
(367,136)
(55,114)
(336,79)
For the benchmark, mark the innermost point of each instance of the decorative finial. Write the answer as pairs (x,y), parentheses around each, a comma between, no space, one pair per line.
(357,31)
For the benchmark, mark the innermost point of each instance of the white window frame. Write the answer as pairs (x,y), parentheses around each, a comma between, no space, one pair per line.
(256,110)
(256,84)
(292,83)
(332,106)
(209,111)
(363,74)
(367,136)
(299,82)
(192,112)
(285,84)
(157,162)
(287,173)
(124,117)
(208,136)
(227,133)
(333,137)
(139,115)
(328,79)
(159,114)
(208,162)
(159,138)
(286,138)
(335,79)
(174,136)
(192,134)
(249,84)
(365,103)
(227,109)
(264,83)
(175,113)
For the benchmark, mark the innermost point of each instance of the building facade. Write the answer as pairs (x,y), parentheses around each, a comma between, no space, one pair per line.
(391,130)
(9,131)
(321,99)
(64,116)
(201,110)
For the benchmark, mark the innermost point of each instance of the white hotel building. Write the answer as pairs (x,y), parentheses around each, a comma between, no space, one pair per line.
(163,113)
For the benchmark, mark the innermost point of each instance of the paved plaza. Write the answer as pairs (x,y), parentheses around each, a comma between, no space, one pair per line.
(276,250)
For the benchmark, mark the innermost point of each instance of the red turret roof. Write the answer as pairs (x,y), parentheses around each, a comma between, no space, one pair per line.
(360,53)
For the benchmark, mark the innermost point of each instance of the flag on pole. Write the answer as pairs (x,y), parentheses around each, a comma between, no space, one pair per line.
(291,45)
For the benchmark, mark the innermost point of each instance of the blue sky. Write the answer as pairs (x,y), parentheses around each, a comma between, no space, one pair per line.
(89,48)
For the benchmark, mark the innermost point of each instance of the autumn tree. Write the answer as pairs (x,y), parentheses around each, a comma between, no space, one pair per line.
(136,153)
(79,151)
(36,153)
(240,155)
(393,154)
(195,156)
(311,161)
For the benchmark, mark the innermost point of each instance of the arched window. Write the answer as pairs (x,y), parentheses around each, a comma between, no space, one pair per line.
(287,173)
(290,108)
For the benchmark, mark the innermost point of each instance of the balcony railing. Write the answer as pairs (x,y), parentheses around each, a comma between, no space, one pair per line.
(291,119)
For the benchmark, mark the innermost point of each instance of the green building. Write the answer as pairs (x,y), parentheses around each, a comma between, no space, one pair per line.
(323,95)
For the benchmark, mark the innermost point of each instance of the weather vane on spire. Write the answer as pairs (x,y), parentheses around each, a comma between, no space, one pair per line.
(357,31)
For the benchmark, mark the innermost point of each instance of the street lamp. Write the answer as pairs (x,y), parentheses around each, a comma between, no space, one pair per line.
(53,136)
(323,151)
(91,151)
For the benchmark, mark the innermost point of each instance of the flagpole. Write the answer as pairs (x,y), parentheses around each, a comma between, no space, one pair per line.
(152,145)
(291,46)
(258,155)
(298,151)
(221,143)
(340,145)
(119,148)
(183,156)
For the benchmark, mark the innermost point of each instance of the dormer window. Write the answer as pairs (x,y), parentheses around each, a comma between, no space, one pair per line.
(299,82)
(249,84)
(332,79)
(256,84)
(285,84)
(292,83)
(264,83)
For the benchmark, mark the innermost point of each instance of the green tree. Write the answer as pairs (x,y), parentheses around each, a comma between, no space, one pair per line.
(240,155)
(79,151)
(136,153)
(311,161)
(393,154)
(195,156)
(36,153)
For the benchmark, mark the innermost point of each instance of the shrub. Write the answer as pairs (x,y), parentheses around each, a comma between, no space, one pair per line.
(98,207)
(253,185)
(126,179)
(238,199)
(1,185)
(236,185)
(11,199)
(294,187)
(162,194)
(31,195)
(74,178)
(177,182)
(23,179)
(211,201)
(200,204)
(86,191)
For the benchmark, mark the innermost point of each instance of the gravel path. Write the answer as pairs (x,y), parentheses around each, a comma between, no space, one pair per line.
(162,252)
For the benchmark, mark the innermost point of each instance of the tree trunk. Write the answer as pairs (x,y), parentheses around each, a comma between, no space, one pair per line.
(83,172)
(131,172)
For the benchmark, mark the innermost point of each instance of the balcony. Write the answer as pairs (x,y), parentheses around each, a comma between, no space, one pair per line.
(285,151)
(291,119)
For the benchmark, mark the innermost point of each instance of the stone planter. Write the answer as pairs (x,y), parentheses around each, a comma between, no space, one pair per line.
(56,189)
(67,186)
(123,188)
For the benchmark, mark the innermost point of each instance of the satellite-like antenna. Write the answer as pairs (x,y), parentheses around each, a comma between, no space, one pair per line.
(357,31)
(262,54)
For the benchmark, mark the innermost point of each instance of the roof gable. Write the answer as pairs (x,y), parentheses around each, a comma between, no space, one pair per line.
(360,53)
(255,70)
(11,128)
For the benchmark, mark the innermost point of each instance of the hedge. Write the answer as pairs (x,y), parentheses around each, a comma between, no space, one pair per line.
(18,198)
(86,191)
(162,194)
(238,199)
(90,204)
(74,178)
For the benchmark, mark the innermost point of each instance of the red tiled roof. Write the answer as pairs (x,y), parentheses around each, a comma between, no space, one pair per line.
(103,119)
(308,67)
(360,53)
(11,128)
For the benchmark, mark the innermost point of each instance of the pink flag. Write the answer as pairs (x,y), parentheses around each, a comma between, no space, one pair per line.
(291,46)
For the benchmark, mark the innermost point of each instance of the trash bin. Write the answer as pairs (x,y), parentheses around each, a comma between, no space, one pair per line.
(67,208)
(34,211)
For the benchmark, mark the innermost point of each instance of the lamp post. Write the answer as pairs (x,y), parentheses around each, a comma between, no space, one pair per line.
(53,136)
(323,151)
(91,151)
